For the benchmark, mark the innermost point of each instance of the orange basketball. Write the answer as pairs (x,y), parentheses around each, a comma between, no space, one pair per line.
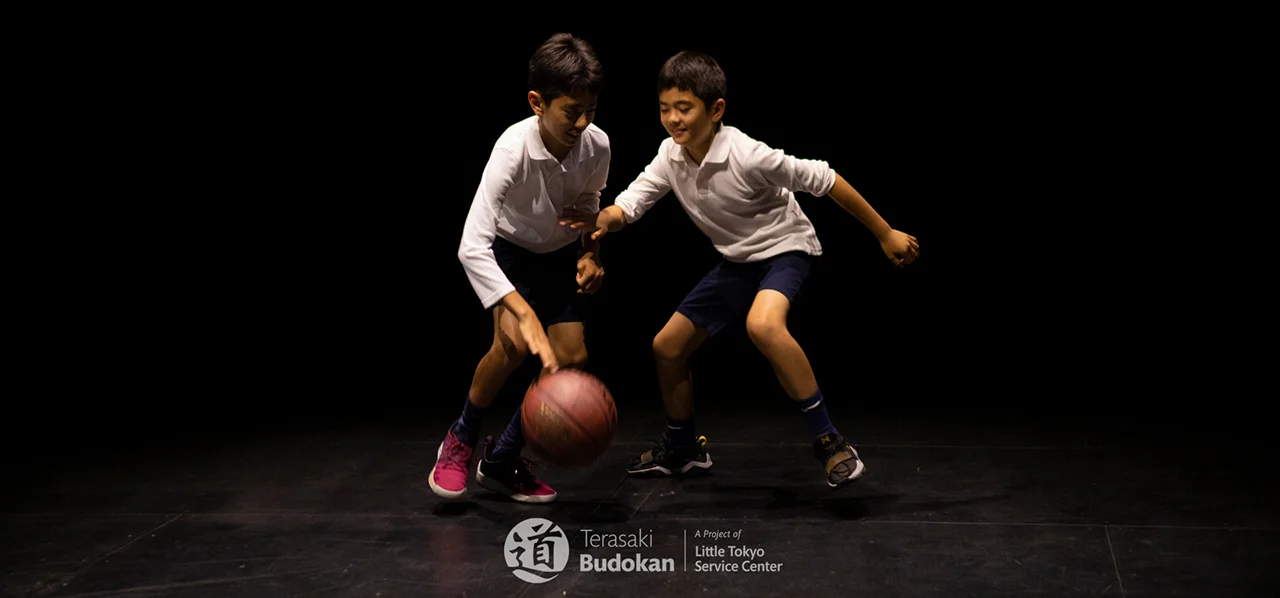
(568,417)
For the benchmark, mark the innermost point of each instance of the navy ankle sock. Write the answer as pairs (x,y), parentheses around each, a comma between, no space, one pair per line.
(468,425)
(681,431)
(511,441)
(815,416)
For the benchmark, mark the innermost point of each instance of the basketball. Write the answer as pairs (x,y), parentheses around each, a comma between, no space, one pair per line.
(568,417)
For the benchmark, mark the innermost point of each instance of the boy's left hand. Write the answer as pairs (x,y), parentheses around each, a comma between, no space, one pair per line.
(900,248)
(595,223)
(590,276)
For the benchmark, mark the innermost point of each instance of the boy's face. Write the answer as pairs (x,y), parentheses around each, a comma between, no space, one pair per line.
(566,117)
(686,118)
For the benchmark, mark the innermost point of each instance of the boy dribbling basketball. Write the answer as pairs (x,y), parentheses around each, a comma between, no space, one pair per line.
(524,265)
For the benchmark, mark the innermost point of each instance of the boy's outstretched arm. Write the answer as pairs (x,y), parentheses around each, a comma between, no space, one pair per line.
(899,247)
(608,220)
(768,166)
(651,184)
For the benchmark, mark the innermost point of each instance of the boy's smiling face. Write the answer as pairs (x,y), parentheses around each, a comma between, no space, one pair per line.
(686,118)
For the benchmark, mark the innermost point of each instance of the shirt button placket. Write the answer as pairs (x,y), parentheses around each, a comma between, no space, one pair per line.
(555,182)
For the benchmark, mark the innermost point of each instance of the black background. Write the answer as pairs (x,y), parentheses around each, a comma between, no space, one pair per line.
(261,227)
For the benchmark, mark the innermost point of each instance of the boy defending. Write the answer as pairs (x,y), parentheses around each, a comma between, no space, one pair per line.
(524,265)
(740,193)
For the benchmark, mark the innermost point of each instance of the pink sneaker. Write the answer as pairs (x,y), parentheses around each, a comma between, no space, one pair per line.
(512,478)
(449,476)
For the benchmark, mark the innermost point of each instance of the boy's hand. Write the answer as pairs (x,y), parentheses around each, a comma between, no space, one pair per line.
(900,248)
(597,222)
(590,275)
(536,339)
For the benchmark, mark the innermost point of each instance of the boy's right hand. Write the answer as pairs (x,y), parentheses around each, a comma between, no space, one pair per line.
(900,248)
(536,339)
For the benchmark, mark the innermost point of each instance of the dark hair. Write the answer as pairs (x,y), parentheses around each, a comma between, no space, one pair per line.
(694,72)
(565,65)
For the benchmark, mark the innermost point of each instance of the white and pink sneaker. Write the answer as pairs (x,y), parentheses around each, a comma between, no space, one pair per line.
(453,460)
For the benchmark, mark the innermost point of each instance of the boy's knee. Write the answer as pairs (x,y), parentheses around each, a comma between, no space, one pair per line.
(764,330)
(572,357)
(665,349)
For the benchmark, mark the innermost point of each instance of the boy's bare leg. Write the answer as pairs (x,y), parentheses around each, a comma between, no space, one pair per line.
(501,468)
(504,356)
(671,350)
(448,478)
(681,449)
(767,327)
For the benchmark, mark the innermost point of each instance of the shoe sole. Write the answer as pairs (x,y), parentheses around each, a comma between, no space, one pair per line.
(500,489)
(431,479)
(683,470)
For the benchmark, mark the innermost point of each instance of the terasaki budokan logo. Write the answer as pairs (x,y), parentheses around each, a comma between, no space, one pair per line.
(536,550)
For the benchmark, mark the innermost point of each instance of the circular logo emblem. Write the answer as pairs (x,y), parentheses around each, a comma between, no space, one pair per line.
(536,550)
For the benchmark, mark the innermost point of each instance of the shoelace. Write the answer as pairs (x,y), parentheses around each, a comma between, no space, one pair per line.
(659,448)
(456,454)
(834,449)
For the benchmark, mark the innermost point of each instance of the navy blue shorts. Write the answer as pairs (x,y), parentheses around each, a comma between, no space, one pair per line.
(547,281)
(725,294)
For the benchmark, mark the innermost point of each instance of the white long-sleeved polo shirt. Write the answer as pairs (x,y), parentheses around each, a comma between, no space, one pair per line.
(742,196)
(523,192)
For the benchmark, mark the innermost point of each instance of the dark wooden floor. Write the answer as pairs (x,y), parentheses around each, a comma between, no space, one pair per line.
(949,507)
